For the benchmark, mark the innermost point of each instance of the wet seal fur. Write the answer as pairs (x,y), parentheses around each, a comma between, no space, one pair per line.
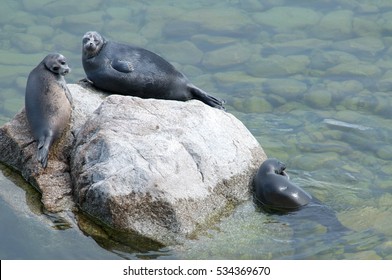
(48,103)
(273,189)
(274,192)
(128,70)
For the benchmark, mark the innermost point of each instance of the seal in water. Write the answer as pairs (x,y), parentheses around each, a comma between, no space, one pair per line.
(128,70)
(48,103)
(274,190)
(276,194)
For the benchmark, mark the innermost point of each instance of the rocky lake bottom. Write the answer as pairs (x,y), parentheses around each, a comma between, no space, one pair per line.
(311,81)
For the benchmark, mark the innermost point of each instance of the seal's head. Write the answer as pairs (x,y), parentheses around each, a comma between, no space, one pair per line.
(92,44)
(273,165)
(57,64)
(274,191)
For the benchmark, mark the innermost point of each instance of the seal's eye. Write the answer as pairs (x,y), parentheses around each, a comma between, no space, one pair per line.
(55,68)
(62,62)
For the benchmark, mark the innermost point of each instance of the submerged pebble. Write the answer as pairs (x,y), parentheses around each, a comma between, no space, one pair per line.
(227,56)
(227,21)
(318,98)
(385,152)
(336,24)
(277,65)
(357,70)
(363,46)
(85,21)
(41,31)
(27,43)
(183,52)
(294,18)
(288,88)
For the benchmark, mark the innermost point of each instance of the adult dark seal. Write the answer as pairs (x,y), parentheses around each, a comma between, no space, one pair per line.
(273,189)
(48,103)
(275,193)
(129,70)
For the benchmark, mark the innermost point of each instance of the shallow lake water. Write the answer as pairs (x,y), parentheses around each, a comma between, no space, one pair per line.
(311,80)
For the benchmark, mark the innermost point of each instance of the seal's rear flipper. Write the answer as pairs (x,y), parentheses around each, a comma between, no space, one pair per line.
(205,97)
(43,150)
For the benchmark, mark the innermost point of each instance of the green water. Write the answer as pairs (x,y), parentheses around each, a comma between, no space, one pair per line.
(311,80)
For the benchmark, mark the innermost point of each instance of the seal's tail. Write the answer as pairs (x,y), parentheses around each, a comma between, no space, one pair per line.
(201,95)
(43,150)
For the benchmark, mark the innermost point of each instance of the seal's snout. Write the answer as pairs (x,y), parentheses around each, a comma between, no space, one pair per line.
(66,71)
(90,46)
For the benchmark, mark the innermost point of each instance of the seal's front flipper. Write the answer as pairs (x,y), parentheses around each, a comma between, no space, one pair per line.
(122,66)
(43,150)
(205,97)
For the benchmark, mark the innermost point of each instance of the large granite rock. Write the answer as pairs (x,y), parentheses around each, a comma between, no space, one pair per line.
(158,168)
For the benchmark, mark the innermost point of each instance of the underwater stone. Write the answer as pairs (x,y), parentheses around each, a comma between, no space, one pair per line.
(161,12)
(291,106)
(34,5)
(368,46)
(357,70)
(255,104)
(238,79)
(368,217)
(86,21)
(363,255)
(288,18)
(318,98)
(296,46)
(385,83)
(10,57)
(66,41)
(334,25)
(251,5)
(21,82)
(385,21)
(27,43)
(207,41)
(368,8)
(117,26)
(385,200)
(385,152)
(42,31)
(223,20)
(7,74)
(314,161)
(7,13)
(177,28)
(277,65)
(152,30)
(227,56)
(132,38)
(288,88)
(364,27)
(383,104)
(119,13)
(69,7)
(345,87)
(182,52)
(324,59)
